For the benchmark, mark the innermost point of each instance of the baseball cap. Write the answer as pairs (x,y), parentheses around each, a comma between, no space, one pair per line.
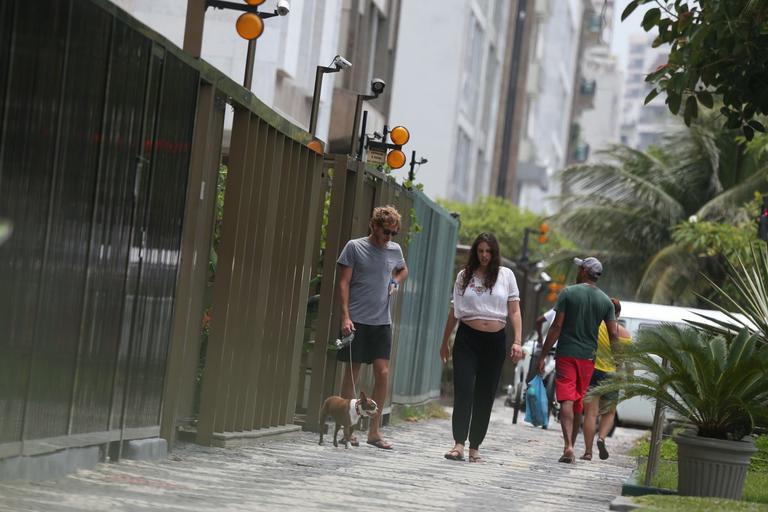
(592,265)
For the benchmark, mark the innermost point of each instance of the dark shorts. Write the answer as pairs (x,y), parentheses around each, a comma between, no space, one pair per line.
(371,342)
(608,400)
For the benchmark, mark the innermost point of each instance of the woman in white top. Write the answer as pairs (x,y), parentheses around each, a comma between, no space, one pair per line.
(484,295)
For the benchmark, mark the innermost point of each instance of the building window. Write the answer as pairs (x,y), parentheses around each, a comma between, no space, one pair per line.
(480,172)
(490,99)
(461,170)
(473,62)
(530,119)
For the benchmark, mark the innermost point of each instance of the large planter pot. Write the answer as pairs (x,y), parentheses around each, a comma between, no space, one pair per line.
(712,467)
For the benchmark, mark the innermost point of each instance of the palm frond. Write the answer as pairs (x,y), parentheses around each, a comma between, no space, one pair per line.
(667,268)
(750,295)
(717,383)
(724,205)
(622,185)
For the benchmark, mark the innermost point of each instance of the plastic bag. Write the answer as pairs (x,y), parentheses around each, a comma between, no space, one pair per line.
(536,403)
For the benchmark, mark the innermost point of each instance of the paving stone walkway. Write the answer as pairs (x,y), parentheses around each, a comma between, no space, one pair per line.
(520,472)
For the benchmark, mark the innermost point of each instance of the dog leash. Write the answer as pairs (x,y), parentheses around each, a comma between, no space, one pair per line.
(351,373)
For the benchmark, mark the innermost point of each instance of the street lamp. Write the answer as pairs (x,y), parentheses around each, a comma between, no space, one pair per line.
(337,65)
(377,87)
(250,26)
(414,163)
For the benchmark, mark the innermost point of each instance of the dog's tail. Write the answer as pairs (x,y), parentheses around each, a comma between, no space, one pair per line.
(321,420)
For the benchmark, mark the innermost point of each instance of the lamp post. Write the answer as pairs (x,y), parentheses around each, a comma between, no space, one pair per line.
(414,163)
(377,87)
(337,65)
(525,262)
(250,26)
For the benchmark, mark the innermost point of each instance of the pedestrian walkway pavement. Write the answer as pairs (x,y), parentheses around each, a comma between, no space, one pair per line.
(520,472)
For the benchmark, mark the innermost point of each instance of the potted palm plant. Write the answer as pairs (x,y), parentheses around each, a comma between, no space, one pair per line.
(715,382)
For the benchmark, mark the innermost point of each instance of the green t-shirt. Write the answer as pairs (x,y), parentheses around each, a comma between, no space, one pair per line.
(585,307)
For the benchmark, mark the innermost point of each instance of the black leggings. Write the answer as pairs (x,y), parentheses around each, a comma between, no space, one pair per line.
(477,361)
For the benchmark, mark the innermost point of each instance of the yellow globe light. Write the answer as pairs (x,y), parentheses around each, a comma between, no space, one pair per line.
(316,146)
(249,26)
(396,159)
(254,2)
(400,135)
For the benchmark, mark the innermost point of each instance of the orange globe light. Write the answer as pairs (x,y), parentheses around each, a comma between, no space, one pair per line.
(543,239)
(400,135)
(544,228)
(396,159)
(249,26)
(254,2)
(316,146)
(551,297)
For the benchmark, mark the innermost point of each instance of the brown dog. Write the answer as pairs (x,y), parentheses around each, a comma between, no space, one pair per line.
(345,413)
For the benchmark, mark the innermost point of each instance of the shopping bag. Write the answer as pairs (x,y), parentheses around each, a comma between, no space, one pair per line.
(536,403)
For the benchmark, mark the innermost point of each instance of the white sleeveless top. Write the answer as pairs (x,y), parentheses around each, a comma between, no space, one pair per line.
(480,303)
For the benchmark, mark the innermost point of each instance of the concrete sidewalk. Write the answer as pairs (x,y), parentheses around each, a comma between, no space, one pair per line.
(520,472)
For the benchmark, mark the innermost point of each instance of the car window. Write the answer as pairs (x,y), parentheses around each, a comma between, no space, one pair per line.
(635,325)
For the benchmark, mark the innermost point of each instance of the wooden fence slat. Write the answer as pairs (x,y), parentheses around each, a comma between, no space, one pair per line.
(219,355)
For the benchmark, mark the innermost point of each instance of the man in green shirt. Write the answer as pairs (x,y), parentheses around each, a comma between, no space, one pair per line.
(580,309)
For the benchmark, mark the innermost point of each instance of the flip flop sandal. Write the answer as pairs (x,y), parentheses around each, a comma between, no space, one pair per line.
(568,459)
(586,456)
(475,458)
(352,441)
(603,450)
(380,443)
(454,455)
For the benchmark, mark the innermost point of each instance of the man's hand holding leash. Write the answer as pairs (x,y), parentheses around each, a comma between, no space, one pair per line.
(347,326)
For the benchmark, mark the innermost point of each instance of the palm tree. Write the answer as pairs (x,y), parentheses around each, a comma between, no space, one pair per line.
(623,209)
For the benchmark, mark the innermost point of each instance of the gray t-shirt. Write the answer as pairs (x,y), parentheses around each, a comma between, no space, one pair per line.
(372,268)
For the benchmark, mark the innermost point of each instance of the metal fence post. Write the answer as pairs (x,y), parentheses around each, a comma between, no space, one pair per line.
(656,438)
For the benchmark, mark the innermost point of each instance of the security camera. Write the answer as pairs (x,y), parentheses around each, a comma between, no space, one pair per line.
(341,63)
(283,7)
(378,85)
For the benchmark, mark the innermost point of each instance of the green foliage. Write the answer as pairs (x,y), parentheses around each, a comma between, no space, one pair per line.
(221,189)
(654,503)
(507,222)
(748,295)
(414,227)
(625,209)
(411,185)
(716,48)
(718,384)
(642,448)
(431,410)
(714,239)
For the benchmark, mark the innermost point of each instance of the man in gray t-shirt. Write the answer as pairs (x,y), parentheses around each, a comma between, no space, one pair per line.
(370,270)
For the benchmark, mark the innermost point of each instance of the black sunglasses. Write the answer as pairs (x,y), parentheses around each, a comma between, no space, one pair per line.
(388,232)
